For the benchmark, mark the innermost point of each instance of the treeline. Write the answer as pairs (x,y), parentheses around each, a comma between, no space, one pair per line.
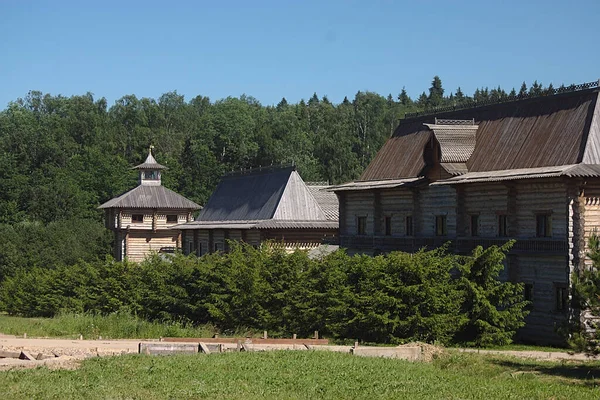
(431,296)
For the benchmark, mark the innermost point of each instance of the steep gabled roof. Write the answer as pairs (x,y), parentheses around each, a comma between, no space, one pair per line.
(544,131)
(262,194)
(326,199)
(151,197)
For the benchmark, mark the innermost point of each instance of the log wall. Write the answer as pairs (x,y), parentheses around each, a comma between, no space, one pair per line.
(140,244)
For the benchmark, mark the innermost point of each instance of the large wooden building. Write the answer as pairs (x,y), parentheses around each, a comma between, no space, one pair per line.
(526,169)
(263,204)
(143,218)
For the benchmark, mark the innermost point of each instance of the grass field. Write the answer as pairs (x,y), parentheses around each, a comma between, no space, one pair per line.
(113,326)
(305,375)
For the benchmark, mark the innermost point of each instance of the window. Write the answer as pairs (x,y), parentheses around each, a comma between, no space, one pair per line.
(409,225)
(440,225)
(218,246)
(562,297)
(361,225)
(528,292)
(199,249)
(191,248)
(137,218)
(474,225)
(151,175)
(388,226)
(171,219)
(502,225)
(543,225)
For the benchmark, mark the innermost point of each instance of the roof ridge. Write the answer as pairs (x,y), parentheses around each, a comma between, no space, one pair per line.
(469,104)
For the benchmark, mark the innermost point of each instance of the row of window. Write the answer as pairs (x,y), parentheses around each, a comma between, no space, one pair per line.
(199,250)
(543,225)
(139,219)
(561,295)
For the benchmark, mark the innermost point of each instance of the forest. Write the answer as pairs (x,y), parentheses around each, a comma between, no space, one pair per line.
(60,157)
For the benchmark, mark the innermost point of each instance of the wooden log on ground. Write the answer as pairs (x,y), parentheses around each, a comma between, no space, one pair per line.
(9,354)
(25,355)
(311,342)
(204,348)
(162,348)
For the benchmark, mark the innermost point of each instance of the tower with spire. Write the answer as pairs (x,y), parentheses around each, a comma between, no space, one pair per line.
(143,217)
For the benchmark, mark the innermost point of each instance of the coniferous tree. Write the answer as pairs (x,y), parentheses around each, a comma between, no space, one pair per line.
(404,99)
(513,93)
(436,93)
(536,89)
(523,90)
(422,100)
(460,96)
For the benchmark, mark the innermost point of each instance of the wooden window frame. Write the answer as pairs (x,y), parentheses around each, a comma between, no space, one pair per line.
(474,225)
(543,225)
(561,297)
(502,225)
(408,226)
(441,225)
(135,218)
(361,225)
(387,225)
(217,245)
(170,216)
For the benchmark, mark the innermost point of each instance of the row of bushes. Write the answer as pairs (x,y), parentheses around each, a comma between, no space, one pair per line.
(428,296)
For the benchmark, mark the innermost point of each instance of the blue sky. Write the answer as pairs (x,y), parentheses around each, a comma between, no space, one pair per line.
(275,49)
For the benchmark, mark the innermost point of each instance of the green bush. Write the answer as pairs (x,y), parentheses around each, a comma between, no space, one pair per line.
(430,296)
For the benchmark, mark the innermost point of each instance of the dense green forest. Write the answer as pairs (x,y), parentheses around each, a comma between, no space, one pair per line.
(60,157)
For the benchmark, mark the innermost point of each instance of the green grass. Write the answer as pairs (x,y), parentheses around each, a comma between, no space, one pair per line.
(305,375)
(113,326)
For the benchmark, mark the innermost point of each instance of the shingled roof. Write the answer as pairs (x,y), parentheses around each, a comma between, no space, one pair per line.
(150,197)
(546,131)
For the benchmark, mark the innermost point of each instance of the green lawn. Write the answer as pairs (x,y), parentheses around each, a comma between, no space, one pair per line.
(113,326)
(305,375)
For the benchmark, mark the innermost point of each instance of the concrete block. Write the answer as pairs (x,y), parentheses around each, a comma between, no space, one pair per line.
(162,348)
(403,353)
(204,348)
(9,354)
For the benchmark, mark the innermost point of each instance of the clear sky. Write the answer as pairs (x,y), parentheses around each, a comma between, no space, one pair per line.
(275,49)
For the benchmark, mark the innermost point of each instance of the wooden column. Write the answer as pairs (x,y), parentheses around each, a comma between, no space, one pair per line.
(226,240)
(576,227)
(244,235)
(153,220)
(182,236)
(377,213)
(126,249)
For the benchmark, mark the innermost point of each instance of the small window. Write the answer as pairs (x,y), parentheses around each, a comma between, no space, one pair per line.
(151,175)
(191,249)
(562,297)
(388,226)
(543,225)
(474,225)
(361,225)
(409,225)
(528,292)
(218,246)
(440,225)
(137,218)
(171,219)
(502,225)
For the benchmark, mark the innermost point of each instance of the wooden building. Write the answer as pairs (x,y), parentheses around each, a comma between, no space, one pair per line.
(526,169)
(262,204)
(143,218)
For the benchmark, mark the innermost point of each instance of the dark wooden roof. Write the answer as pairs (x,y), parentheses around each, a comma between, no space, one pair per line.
(263,194)
(151,197)
(326,199)
(537,132)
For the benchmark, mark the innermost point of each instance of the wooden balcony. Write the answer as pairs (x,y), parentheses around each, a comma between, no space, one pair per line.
(458,245)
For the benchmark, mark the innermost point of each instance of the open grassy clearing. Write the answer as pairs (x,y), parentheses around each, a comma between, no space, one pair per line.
(113,326)
(306,375)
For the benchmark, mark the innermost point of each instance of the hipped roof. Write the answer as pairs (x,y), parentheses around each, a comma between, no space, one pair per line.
(151,197)
(274,193)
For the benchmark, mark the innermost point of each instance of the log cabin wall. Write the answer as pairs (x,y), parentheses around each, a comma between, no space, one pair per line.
(359,204)
(543,197)
(437,201)
(140,244)
(591,210)
(396,204)
(488,202)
